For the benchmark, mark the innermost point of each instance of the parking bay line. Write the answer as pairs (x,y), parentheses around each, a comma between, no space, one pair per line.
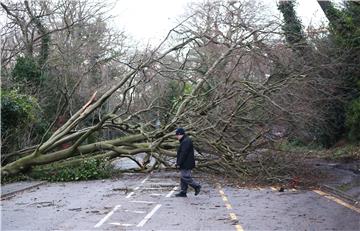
(171,192)
(136,188)
(148,216)
(143,202)
(153,211)
(119,224)
(156,194)
(143,181)
(130,194)
(133,211)
(149,189)
(101,222)
(107,216)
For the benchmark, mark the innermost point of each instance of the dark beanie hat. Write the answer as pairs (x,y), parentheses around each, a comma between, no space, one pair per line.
(180,131)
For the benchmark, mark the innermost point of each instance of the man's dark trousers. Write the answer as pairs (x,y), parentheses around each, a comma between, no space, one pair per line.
(186,179)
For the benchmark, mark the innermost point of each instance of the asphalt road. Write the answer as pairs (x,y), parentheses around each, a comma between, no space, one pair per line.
(147,202)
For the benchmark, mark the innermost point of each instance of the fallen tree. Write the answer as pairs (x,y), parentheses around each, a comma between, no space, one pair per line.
(141,136)
(214,82)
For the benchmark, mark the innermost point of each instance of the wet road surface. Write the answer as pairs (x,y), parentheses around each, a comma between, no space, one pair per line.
(147,202)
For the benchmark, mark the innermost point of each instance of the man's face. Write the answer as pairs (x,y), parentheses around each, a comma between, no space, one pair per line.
(178,137)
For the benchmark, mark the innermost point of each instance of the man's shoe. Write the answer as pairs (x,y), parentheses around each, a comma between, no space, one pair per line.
(197,190)
(180,194)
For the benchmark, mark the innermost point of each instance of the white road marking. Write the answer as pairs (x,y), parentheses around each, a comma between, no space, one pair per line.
(133,211)
(155,194)
(337,200)
(163,184)
(233,216)
(238,227)
(144,189)
(107,216)
(228,206)
(171,192)
(143,181)
(144,202)
(118,224)
(136,188)
(130,194)
(148,216)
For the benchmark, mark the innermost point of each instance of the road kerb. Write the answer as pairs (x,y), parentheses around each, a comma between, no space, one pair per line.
(337,200)
(7,195)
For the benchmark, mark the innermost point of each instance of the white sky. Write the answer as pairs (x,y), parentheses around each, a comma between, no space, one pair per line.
(150,20)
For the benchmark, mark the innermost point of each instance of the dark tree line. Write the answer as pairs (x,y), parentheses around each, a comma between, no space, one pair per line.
(341,46)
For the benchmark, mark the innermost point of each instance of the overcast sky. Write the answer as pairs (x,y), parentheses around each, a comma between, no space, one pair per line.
(150,20)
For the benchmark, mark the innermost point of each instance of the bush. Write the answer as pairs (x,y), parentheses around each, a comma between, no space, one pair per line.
(26,70)
(296,145)
(89,169)
(353,120)
(17,110)
(15,178)
(347,152)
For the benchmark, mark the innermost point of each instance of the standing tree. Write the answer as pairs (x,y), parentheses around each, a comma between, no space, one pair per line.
(53,51)
(319,61)
(344,27)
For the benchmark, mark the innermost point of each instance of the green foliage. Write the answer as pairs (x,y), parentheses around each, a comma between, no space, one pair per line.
(347,152)
(174,93)
(292,26)
(334,124)
(353,120)
(345,28)
(89,169)
(17,110)
(188,88)
(26,70)
(344,24)
(344,187)
(296,145)
(14,178)
(44,52)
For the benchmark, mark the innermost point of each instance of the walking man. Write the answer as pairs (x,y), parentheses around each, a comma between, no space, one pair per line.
(185,161)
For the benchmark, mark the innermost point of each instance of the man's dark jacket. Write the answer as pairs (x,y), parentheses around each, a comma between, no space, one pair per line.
(185,154)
